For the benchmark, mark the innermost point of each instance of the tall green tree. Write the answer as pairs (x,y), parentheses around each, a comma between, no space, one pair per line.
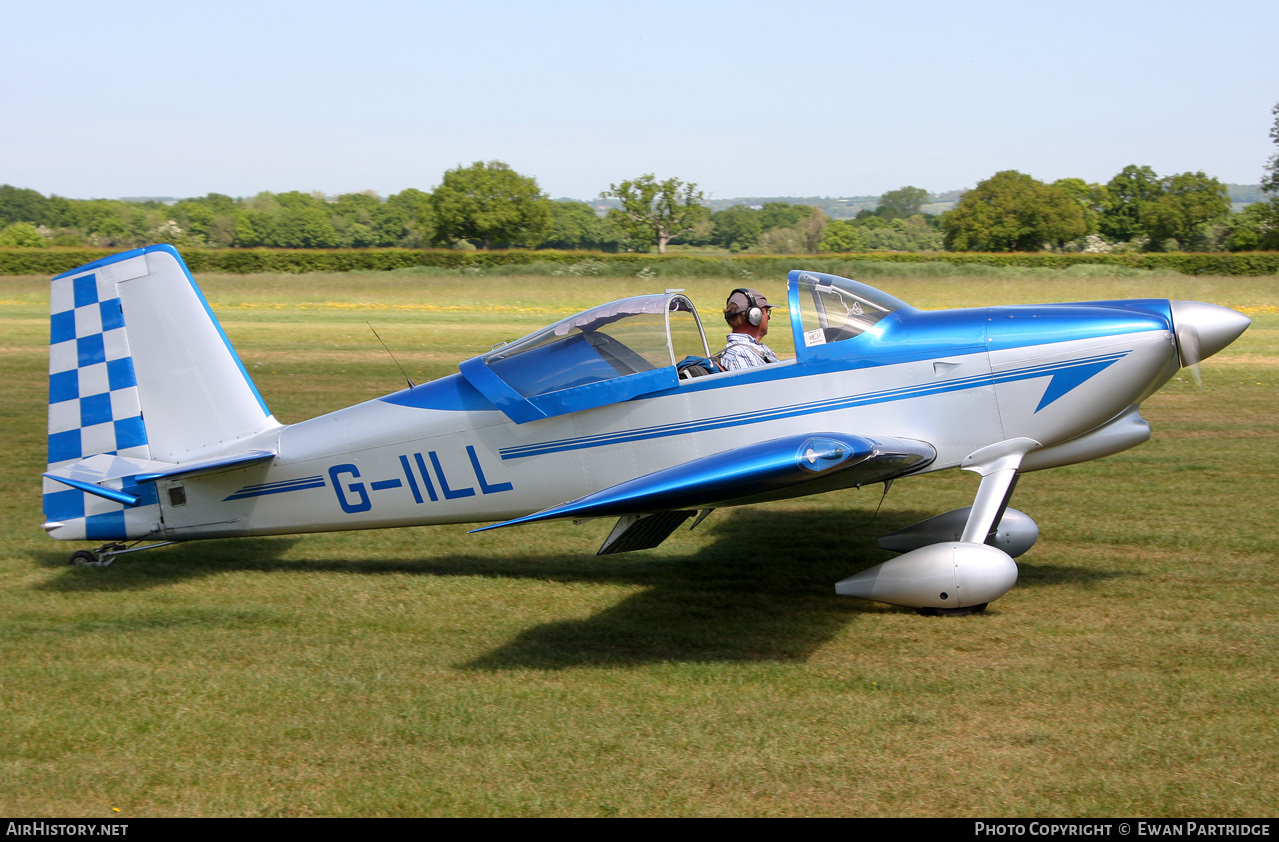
(1091,198)
(575,225)
(1252,228)
(1270,178)
(783,215)
(302,221)
(1268,227)
(1186,202)
(737,227)
(902,203)
(352,215)
(657,211)
(841,235)
(490,204)
(19,204)
(1126,194)
(405,219)
(1011,211)
(812,227)
(211,218)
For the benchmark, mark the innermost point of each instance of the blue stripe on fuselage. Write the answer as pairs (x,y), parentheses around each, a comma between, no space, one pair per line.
(279,487)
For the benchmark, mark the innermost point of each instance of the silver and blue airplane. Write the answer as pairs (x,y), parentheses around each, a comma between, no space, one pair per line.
(158,435)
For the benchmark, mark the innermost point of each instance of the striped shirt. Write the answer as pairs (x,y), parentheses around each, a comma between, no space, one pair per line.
(745,351)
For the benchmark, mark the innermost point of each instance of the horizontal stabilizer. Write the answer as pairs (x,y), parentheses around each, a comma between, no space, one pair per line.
(206,466)
(785,467)
(114,495)
(118,478)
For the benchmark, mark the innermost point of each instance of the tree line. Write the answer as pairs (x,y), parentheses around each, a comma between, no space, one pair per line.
(489,205)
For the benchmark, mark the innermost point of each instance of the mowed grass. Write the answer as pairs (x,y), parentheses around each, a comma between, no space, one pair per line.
(1132,671)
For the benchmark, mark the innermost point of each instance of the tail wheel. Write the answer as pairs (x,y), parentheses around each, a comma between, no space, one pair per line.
(83,558)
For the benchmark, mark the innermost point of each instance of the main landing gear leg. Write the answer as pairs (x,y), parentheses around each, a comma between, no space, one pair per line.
(940,575)
(105,554)
(998,481)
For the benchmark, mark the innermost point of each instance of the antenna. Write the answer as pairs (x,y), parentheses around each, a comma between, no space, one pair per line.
(392,356)
(888,483)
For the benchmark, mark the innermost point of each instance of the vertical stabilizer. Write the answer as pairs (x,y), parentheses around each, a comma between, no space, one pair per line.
(139,369)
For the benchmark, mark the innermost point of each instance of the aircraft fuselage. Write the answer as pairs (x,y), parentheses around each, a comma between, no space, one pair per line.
(441,453)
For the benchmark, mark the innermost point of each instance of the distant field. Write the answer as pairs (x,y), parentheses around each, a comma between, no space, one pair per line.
(1132,671)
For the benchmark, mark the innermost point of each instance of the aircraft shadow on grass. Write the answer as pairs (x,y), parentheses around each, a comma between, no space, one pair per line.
(757,590)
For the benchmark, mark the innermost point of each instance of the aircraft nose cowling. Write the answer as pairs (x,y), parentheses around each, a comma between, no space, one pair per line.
(1204,329)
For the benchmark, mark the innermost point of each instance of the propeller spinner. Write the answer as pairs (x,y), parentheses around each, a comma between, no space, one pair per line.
(1204,329)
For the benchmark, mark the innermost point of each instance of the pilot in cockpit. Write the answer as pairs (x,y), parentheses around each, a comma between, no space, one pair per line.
(746,312)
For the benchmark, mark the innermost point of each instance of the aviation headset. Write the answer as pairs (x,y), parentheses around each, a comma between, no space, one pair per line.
(754,313)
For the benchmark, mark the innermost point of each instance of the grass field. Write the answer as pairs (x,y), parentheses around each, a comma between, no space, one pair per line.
(1133,671)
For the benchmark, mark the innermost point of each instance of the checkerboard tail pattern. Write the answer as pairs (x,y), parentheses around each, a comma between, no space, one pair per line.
(141,376)
(93,397)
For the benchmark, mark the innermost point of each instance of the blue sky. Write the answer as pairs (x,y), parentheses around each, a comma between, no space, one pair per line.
(746,98)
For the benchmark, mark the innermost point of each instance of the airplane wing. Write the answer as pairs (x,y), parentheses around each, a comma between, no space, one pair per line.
(792,466)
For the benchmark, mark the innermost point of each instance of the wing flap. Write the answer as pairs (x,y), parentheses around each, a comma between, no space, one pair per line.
(791,466)
(642,532)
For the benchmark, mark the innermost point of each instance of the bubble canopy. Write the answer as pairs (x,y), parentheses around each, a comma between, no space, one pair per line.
(603,355)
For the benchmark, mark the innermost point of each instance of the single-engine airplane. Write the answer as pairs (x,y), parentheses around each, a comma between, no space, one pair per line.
(157,433)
